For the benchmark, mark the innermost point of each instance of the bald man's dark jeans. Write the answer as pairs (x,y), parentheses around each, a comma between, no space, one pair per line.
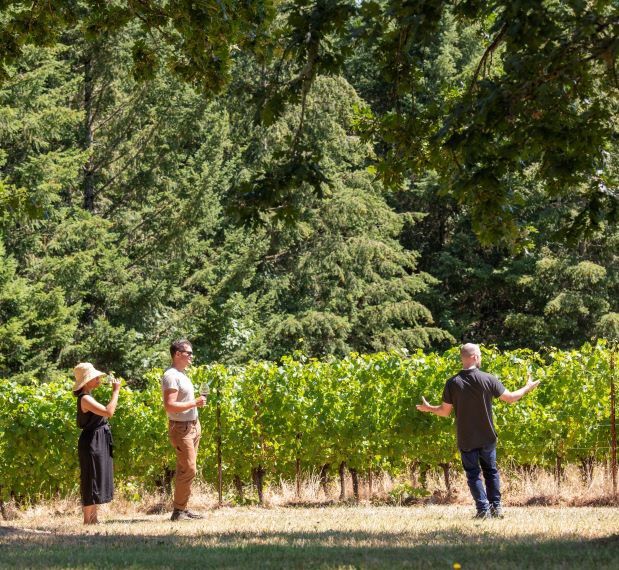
(476,462)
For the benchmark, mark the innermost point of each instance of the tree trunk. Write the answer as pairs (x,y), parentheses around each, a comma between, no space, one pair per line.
(528,470)
(238,485)
(412,473)
(19,500)
(164,483)
(324,479)
(342,470)
(355,482)
(88,168)
(446,475)
(442,232)
(369,484)
(423,475)
(257,474)
(559,471)
(587,465)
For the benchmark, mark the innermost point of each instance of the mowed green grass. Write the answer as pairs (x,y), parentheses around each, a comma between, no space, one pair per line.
(328,537)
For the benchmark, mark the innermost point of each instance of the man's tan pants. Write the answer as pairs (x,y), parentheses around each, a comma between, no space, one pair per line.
(185,437)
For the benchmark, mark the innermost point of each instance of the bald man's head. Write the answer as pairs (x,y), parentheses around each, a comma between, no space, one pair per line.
(470,354)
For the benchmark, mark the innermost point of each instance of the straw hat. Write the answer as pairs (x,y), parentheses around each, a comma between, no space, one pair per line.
(84,373)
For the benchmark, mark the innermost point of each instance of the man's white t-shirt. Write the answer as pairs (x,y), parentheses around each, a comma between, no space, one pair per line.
(173,379)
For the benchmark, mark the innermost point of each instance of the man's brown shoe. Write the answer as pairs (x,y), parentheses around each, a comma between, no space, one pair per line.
(179,515)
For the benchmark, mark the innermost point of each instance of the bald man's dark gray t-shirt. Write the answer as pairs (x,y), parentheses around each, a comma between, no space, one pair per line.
(471,393)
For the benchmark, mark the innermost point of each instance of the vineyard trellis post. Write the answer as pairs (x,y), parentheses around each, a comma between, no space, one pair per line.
(2,508)
(218,417)
(613,426)
(298,467)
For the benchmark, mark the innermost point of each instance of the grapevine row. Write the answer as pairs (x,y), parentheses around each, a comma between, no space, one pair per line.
(280,419)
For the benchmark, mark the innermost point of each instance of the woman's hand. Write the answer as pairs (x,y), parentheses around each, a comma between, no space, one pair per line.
(115,384)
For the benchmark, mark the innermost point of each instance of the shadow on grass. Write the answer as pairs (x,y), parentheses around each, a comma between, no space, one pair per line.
(20,548)
(124,521)
(9,531)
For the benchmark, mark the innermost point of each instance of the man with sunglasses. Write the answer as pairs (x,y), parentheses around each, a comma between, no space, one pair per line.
(184,426)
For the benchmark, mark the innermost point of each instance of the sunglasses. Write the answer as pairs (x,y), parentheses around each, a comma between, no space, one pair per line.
(186,352)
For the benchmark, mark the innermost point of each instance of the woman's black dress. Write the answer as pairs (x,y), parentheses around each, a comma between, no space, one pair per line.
(95,453)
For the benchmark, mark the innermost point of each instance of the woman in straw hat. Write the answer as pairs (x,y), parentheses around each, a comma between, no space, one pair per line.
(95,443)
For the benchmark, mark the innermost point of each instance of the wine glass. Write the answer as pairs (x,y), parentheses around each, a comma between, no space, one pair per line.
(205,389)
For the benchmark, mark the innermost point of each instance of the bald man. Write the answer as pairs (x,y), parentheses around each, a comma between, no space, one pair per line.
(470,394)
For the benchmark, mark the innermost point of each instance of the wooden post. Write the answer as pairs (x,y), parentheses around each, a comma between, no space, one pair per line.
(298,468)
(324,479)
(2,507)
(342,480)
(613,426)
(559,470)
(219,472)
(355,482)
(446,475)
(298,478)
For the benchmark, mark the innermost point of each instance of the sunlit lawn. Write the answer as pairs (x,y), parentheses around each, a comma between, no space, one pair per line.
(328,537)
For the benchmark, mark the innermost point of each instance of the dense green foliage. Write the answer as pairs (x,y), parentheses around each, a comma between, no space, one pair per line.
(541,92)
(359,410)
(315,175)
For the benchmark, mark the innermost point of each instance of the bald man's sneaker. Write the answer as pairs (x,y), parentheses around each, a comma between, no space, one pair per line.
(483,515)
(193,515)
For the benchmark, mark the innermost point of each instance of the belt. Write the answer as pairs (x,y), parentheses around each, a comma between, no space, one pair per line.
(183,422)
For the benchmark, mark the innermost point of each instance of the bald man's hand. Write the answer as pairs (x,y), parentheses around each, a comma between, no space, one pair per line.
(424,406)
(443,410)
(531,385)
